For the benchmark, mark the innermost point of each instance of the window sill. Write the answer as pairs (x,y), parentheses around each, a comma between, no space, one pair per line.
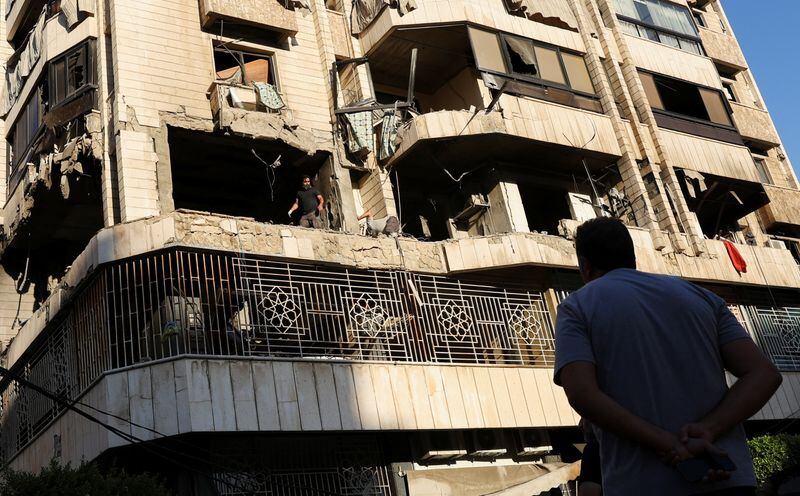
(554,93)
(697,127)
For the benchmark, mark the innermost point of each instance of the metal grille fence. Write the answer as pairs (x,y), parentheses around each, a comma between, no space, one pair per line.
(352,467)
(180,302)
(778,332)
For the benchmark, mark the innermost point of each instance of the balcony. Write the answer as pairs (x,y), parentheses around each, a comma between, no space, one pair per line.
(673,62)
(267,14)
(492,14)
(782,215)
(723,48)
(307,319)
(755,125)
(710,156)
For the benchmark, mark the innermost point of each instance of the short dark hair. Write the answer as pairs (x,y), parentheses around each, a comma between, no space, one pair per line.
(606,244)
(306,176)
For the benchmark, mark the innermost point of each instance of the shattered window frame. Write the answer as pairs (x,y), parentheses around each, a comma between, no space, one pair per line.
(86,55)
(539,81)
(659,107)
(222,48)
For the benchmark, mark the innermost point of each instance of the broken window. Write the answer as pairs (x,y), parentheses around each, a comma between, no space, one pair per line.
(70,74)
(763,173)
(730,94)
(554,65)
(251,67)
(686,99)
(238,176)
(545,205)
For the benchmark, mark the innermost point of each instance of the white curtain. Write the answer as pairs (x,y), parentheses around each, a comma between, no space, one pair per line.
(70,10)
(662,14)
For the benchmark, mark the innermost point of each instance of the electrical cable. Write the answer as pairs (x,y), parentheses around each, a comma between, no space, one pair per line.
(271,177)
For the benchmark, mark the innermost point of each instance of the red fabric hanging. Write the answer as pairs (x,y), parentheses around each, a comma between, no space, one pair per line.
(736,258)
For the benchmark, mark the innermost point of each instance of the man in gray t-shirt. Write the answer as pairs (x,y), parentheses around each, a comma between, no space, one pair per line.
(642,357)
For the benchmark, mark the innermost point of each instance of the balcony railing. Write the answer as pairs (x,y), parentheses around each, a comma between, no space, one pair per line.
(177,303)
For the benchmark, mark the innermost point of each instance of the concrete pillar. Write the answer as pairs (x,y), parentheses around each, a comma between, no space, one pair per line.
(506,211)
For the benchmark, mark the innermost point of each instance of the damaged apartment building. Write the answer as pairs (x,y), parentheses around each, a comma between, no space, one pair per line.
(160,311)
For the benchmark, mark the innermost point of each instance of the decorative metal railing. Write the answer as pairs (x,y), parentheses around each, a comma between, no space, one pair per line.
(180,302)
(777,331)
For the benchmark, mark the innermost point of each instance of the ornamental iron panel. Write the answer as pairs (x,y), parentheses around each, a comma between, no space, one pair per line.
(181,302)
(778,332)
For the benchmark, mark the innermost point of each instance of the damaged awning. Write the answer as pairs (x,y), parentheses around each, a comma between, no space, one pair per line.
(718,200)
(66,161)
(556,13)
(498,480)
(365,11)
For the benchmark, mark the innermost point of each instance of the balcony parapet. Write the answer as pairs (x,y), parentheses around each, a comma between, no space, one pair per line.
(710,156)
(266,14)
(723,48)
(524,118)
(491,14)
(673,62)
(238,110)
(185,395)
(783,211)
(755,124)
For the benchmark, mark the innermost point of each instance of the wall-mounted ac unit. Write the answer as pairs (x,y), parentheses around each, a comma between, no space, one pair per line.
(444,446)
(487,443)
(532,443)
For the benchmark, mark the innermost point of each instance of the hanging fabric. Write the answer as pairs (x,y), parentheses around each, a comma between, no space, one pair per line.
(70,10)
(737,260)
(360,132)
(88,7)
(268,96)
(389,126)
(365,11)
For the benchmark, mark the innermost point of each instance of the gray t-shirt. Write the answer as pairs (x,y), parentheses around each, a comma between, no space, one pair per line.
(655,341)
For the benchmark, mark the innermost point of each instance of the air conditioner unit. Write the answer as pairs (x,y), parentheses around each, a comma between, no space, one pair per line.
(487,443)
(475,206)
(777,244)
(532,443)
(581,207)
(444,446)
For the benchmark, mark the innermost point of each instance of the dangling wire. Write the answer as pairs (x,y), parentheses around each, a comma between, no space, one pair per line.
(271,178)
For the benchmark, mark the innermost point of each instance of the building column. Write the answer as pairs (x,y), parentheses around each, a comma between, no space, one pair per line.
(506,211)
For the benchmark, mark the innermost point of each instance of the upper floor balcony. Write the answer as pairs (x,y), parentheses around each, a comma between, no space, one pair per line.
(173,319)
(550,21)
(274,15)
(782,214)
(723,49)
(755,125)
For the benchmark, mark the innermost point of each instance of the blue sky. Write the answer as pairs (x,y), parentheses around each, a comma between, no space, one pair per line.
(768,39)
